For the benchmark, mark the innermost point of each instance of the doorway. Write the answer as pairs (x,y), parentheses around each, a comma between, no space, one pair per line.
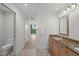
(33,30)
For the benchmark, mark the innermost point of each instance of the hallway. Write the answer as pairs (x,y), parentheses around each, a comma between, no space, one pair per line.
(31,50)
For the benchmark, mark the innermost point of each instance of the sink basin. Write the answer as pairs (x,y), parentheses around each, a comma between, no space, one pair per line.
(58,38)
(76,48)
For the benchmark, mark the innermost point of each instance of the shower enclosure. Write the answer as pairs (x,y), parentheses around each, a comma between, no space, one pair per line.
(7,31)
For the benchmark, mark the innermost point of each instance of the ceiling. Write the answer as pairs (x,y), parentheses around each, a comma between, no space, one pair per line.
(5,9)
(41,8)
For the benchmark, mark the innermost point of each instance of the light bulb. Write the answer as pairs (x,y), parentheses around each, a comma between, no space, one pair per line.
(68,9)
(56,8)
(73,6)
(25,4)
(64,11)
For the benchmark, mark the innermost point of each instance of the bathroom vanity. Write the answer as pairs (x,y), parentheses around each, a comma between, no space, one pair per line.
(64,46)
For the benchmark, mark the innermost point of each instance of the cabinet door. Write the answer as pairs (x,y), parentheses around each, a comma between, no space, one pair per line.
(62,50)
(51,44)
(56,49)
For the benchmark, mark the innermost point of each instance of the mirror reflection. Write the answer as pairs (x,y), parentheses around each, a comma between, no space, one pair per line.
(64,25)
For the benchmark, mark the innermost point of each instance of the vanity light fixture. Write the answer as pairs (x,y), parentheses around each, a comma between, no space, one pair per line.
(68,9)
(73,6)
(65,11)
(25,4)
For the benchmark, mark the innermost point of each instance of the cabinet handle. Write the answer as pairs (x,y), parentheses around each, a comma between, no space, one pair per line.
(57,45)
(61,47)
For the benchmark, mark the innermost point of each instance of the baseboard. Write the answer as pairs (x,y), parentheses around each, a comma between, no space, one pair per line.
(41,48)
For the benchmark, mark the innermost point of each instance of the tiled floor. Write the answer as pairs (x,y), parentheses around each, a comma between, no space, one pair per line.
(42,52)
(31,50)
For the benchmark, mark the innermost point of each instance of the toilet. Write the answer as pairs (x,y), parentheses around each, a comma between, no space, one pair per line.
(7,48)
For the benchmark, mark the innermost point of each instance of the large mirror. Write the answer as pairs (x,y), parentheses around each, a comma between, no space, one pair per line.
(63,25)
(7,31)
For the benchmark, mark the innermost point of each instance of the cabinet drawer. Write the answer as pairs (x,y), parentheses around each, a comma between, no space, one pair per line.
(71,53)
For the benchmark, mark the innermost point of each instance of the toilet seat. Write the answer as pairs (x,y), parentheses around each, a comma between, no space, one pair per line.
(6,47)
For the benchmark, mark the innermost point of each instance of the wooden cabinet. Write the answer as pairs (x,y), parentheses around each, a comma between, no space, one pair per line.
(55,49)
(62,50)
(51,45)
(58,49)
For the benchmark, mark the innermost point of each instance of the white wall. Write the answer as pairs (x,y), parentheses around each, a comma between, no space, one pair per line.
(6,26)
(20,28)
(9,26)
(2,34)
(47,24)
(27,31)
(73,23)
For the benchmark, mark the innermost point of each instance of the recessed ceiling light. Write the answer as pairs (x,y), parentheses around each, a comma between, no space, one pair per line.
(56,8)
(25,4)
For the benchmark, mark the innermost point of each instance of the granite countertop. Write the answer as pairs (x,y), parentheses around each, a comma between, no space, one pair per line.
(71,44)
